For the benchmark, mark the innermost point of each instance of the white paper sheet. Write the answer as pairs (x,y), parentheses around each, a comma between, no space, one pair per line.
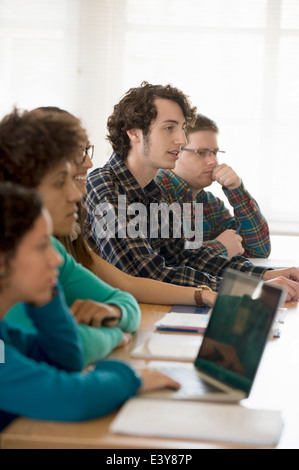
(199,421)
(183,321)
(169,346)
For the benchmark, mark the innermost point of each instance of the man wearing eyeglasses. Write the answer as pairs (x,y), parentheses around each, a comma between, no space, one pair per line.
(200,163)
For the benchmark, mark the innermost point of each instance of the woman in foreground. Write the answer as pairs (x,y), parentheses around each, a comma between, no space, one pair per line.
(41,375)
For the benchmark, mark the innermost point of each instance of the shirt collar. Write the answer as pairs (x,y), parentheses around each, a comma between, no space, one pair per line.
(182,189)
(132,187)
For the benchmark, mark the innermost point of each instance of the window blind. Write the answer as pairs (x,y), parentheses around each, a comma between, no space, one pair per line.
(236,59)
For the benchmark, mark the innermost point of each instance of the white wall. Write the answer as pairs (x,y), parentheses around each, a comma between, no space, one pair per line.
(236,59)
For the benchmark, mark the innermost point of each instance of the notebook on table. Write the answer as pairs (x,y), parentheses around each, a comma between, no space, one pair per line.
(233,344)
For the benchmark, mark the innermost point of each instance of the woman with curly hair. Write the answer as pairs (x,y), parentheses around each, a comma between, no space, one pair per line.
(37,150)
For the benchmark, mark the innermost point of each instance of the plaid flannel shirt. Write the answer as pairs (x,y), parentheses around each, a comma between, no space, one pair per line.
(163,259)
(217,218)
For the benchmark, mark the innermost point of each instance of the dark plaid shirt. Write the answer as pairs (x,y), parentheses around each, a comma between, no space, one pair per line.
(217,218)
(147,255)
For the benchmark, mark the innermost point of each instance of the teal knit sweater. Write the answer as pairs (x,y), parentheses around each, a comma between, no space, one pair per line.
(41,374)
(79,283)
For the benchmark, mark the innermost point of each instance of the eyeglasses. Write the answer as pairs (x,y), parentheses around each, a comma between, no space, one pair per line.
(203,153)
(83,154)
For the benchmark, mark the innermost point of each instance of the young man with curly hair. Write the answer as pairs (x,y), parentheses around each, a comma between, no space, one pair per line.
(146,130)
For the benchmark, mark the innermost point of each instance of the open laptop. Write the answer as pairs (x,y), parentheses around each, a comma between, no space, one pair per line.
(233,343)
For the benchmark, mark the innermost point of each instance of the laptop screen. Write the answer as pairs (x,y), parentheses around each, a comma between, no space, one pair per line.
(236,336)
(238,283)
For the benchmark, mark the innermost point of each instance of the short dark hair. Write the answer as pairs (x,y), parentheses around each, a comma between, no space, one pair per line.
(19,209)
(201,123)
(54,109)
(137,109)
(33,142)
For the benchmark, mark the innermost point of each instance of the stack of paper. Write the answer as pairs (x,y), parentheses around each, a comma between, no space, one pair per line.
(179,308)
(187,322)
(200,421)
(165,346)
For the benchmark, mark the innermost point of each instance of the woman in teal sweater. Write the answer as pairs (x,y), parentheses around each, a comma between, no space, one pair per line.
(40,372)
(58,138)
(79,283)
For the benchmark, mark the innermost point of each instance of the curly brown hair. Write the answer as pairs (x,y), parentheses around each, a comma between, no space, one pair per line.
(77,248)
(19,209)
(33,142)
(137,109)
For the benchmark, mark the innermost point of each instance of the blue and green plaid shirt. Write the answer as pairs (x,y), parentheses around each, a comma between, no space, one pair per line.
(108,225)
(217,218)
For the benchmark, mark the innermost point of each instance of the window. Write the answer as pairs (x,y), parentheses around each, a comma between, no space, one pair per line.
(236,59)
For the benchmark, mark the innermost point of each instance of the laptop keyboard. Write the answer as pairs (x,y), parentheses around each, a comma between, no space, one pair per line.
(191,383)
